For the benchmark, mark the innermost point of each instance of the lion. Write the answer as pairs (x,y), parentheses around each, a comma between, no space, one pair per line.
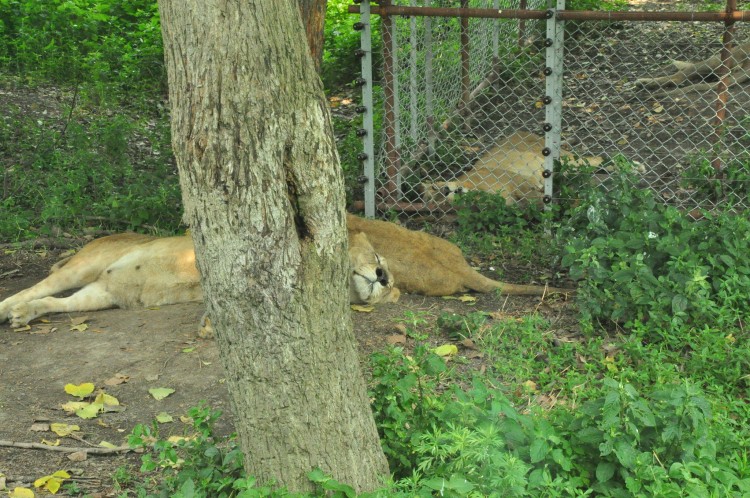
(739,62)
(424,264)
(131,270)
(512,168)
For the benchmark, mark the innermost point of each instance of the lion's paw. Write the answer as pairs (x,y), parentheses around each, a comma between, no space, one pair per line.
(20,315)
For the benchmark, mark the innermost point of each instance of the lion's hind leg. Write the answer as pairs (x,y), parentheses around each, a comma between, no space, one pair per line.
(62,279)
(90,298)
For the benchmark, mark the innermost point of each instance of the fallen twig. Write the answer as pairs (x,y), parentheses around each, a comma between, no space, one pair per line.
(66,449)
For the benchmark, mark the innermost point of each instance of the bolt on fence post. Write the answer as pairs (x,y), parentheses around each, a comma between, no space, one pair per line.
(368,139)
(553,97)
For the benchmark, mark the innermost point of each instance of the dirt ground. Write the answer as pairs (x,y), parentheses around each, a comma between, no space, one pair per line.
(153,348)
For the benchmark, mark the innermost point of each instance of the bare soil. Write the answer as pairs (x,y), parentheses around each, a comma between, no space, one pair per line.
(153,348)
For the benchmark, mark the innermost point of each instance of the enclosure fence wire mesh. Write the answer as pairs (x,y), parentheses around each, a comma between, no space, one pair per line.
(469,114)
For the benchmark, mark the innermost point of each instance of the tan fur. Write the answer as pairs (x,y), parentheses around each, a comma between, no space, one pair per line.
(425,264)
(132,270)
(739,61)
(512,167)
(371,281)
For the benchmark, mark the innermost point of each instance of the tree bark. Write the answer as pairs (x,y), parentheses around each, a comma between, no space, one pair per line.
(314,18)
(263,195)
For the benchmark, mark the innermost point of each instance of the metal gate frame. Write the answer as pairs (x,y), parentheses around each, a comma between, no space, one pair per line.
(555,17)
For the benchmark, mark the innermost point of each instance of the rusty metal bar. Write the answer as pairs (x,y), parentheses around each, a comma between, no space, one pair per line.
(724,72)
(572,15)
(403,10)
(568,15)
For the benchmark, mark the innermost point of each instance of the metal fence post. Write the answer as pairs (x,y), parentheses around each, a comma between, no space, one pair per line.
(553,96)
(368,129)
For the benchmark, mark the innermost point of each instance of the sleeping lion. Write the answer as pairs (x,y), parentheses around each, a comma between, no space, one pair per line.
(131,270)
(424,264)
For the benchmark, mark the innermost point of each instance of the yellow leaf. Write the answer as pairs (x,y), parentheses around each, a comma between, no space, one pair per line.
(362,308)
(464,299)
(105,444)
(22,329)
(530,385)
(106,399)
(19,492)
(80,327)
(164,418)
(160,392)
(52,483)
(609,362)
(74,406)
(80,390)
(446,350)
(50,443)
(63,430)
(90,411)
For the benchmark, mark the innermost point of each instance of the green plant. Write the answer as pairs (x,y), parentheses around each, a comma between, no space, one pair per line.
(484,212)
(201,463)
(641,261)
(458,326)
(730,187)
(402,402)
(110,48)
(340,63)
(115,173)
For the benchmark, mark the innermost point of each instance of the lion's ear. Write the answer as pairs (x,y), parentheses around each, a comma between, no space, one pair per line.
(360,239)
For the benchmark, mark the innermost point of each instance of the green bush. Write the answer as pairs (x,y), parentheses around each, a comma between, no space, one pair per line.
(108,47)
(641,261)
(340,64)
(474,442)
(110,172)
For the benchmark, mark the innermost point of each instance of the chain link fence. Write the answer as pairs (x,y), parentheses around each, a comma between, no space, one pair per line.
(491,104)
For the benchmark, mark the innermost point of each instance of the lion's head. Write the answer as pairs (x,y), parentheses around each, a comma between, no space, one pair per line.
(439,192)
(370,281)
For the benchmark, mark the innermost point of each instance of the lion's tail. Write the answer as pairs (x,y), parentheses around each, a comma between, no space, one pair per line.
(480,283)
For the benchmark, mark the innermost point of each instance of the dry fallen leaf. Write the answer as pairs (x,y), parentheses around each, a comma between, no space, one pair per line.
(395,339)
(39,427)
(106,399)
(79,390)
(160,392)
(63,430)
(468,344)
(73,406)
(78,456)
(78,320)
(19,492)
(362,308)
(52,483)
(117,380)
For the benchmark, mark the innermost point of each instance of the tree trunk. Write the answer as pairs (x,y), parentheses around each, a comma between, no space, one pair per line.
(263,195)
(314,18)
